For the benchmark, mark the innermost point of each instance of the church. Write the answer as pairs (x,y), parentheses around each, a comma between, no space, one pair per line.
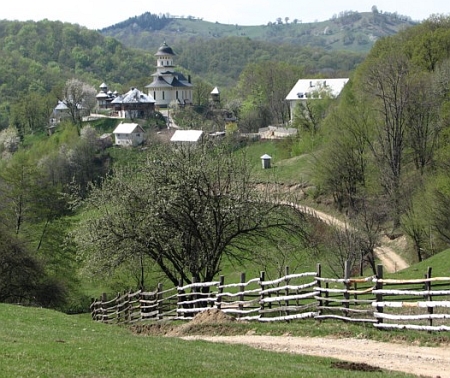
(169,85)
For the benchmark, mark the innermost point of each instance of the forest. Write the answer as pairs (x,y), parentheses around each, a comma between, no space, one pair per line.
(379,155)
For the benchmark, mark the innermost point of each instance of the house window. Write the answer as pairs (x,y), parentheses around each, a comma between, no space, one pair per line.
(177,95)
(154,95)
(138,135)
(164,97)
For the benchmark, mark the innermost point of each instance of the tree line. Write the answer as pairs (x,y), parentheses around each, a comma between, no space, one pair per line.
(382,149)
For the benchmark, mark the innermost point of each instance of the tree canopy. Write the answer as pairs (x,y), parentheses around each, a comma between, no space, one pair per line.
(185,208)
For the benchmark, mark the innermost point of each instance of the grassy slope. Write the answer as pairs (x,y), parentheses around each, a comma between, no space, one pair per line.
(40,343)
(284,169)
(440,264)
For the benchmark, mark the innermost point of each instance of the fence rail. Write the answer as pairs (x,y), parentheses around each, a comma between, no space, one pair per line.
(419,304)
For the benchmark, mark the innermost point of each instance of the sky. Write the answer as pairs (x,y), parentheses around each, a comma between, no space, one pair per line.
(97,14)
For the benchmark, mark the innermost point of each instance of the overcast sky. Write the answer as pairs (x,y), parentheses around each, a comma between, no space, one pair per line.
(97,14)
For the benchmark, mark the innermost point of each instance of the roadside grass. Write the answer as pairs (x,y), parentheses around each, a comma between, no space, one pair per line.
(332,329)
(35,342)
(440,264)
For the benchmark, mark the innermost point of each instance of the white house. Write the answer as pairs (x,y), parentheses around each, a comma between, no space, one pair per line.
(128,134)
(310,89)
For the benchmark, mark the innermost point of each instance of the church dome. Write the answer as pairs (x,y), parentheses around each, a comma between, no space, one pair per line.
(165,49)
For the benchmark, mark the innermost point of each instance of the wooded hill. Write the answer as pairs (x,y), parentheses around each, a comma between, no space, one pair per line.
(37,58)
(218,52)
(349,31)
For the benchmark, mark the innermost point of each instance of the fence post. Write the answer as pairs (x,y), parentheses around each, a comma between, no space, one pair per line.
(241,296)
(93,308)
(159,300)
(429,296)
(319,286)
(118,307)
(361,265)
(128,306)
(220,292)
(379,286)
(347,270)
(286,302)
(194,295)
(181,297)
(103,300)
(262,276)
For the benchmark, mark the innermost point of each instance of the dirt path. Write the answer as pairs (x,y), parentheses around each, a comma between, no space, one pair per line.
(391,261)
(420,361)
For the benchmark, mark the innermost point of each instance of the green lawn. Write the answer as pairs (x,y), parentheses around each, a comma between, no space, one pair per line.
(36,342)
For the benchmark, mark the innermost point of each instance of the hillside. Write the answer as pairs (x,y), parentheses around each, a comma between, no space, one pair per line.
(38,57)
(349,31)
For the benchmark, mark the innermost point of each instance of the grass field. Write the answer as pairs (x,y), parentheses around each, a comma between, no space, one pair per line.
(36,342)
(439,263)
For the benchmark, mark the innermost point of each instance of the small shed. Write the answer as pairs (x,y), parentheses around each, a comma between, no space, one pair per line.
(215,95)
(128,134)
(265,159)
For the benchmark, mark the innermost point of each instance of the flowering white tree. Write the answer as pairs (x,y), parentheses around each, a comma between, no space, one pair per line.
(79,98)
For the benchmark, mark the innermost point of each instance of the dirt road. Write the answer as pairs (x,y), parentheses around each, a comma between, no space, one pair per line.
(420,361)
(391,261)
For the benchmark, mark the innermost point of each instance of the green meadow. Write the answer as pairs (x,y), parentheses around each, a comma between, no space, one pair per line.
(36,342)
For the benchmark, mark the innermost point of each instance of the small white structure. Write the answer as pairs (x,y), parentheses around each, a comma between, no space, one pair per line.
(189,136)
(215,95)
(128,134)
(265,159)
(310,89)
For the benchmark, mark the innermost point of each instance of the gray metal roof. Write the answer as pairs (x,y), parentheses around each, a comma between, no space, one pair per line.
(134,96)
(165,49)
(158,82)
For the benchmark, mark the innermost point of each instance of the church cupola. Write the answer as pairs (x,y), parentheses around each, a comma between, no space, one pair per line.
(165,56)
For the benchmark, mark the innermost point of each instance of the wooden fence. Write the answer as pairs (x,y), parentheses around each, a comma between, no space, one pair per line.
(385,303)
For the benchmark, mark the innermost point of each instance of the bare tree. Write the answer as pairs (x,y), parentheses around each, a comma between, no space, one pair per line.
(388,83)
(423,121)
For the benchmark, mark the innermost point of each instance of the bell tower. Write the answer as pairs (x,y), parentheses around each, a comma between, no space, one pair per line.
(164,59)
